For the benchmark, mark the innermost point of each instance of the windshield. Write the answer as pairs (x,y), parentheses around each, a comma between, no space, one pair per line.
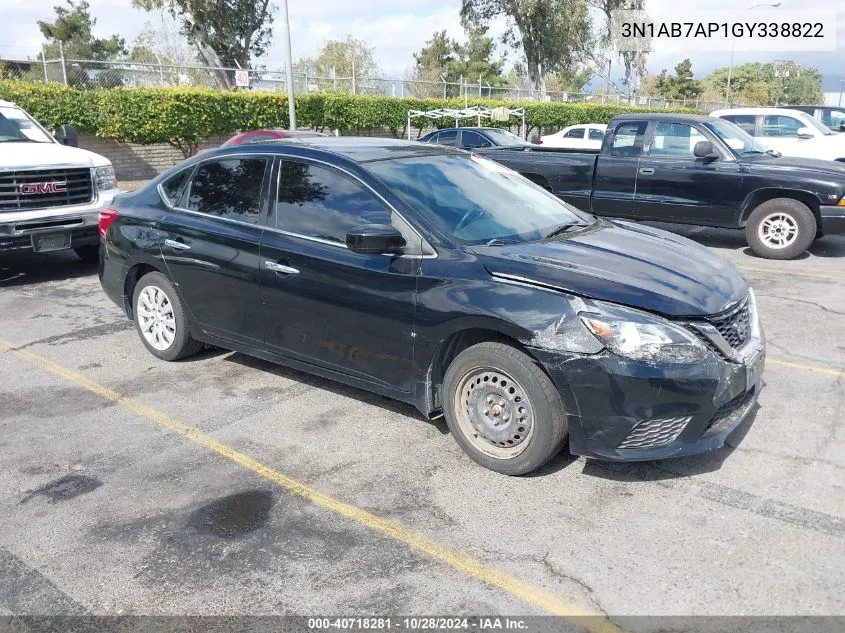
(16,126)
(738,140)
(504,138)
(813,122)
(473,200)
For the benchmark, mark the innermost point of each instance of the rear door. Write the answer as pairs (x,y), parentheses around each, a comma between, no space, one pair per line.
(448,138)
(211,245)
(675,186)
(324,304)
(615,182)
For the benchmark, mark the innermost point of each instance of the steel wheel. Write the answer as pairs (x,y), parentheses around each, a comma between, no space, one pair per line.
(778,230)
(494,412)
(156,319)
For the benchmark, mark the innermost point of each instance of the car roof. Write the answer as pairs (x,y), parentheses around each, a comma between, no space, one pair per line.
(9,104)
(755,111)
(818,107)
(656,116)
(355,148)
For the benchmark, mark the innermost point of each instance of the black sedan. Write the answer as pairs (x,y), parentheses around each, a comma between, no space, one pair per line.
(470,138)
(447,281)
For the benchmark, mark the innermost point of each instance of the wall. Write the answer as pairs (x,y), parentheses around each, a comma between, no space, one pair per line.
(138,162)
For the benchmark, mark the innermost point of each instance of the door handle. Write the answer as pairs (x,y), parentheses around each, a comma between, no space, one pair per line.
(647,171)
(276,267)
(179,246)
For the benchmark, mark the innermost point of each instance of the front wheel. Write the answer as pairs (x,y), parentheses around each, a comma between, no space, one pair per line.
(781,228)
(502,409)
(161,320)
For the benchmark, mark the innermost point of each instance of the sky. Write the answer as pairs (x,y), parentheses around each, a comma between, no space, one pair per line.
(398,28)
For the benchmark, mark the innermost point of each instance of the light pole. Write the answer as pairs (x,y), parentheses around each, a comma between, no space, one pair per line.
(289,72)
(733,46)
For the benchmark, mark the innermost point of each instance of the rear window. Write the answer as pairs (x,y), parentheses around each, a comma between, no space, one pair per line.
(173,187)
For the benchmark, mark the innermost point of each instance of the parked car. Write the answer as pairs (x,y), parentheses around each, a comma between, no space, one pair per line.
(258,136)
(445,280)
(588,136)
(790,132)
(51,191)
(474,137)
(696,170)
(831,116)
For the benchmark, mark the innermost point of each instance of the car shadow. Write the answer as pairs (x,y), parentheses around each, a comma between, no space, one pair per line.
(318,382)
(21,269)
(676,468)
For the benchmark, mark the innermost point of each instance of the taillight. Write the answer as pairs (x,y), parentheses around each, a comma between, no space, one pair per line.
(107,216)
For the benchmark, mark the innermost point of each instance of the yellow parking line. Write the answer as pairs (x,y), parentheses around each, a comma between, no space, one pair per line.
(535,596)
(813,368)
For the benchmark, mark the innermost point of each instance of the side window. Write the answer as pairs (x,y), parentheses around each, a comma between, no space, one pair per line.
(316,201)
(229,188)
(744,121)
(834,119)
(432,138)
(173,187)
(628,139)
(578,132)
(449,137)
(472,139)
(779,125)
(674,140)
(595,134)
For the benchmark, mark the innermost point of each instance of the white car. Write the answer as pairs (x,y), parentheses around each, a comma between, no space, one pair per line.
(790,132)
(589,136)
(51,192)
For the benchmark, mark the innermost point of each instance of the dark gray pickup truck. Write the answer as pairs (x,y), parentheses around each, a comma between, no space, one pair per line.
(694,170)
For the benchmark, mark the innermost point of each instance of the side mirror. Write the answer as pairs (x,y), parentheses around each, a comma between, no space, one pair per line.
(705,149)
(67,135)
(375,239)
(805,132)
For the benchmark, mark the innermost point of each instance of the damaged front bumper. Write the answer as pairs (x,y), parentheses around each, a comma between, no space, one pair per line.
(624,410)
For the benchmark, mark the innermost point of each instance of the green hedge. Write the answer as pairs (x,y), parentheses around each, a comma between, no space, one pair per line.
(183,116)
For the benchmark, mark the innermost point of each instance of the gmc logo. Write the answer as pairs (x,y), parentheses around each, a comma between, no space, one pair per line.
(34,188)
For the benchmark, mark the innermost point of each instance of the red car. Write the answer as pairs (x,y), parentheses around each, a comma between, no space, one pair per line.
(256,136)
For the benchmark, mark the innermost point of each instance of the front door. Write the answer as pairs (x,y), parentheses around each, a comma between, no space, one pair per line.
(324,304)
(615,182)
(211,246)
(675,186)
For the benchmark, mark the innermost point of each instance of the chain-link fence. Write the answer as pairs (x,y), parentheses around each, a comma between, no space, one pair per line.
(99,74)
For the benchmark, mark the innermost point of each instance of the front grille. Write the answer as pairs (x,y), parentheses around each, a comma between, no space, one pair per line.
(654,433)
(78,188)
(734,326)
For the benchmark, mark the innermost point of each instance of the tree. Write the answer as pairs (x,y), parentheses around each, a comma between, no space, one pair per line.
(552,34)
(436,56)
(634,51)
(475,59)
(163,43)
(772,83)
(70,36)
(346,58)
(681,85)
(226,33)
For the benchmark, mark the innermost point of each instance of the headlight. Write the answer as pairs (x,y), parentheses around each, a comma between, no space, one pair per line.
(104,177)
(641,336)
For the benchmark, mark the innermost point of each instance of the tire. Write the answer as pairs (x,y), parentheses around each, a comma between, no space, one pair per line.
(89,254)
(525,424)
(173,340)
(780,214)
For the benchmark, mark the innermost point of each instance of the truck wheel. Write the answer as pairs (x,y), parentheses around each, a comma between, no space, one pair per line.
(781,228)
(502,409)
(161,320)
(90,254)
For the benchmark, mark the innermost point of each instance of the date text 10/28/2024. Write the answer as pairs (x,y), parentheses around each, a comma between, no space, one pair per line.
(434,623)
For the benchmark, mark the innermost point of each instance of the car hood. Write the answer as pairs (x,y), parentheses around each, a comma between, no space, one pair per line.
(823,147)
(39,155)
(790,163)
(633,265)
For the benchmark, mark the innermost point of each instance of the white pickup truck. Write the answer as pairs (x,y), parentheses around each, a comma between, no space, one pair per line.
(51,192)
